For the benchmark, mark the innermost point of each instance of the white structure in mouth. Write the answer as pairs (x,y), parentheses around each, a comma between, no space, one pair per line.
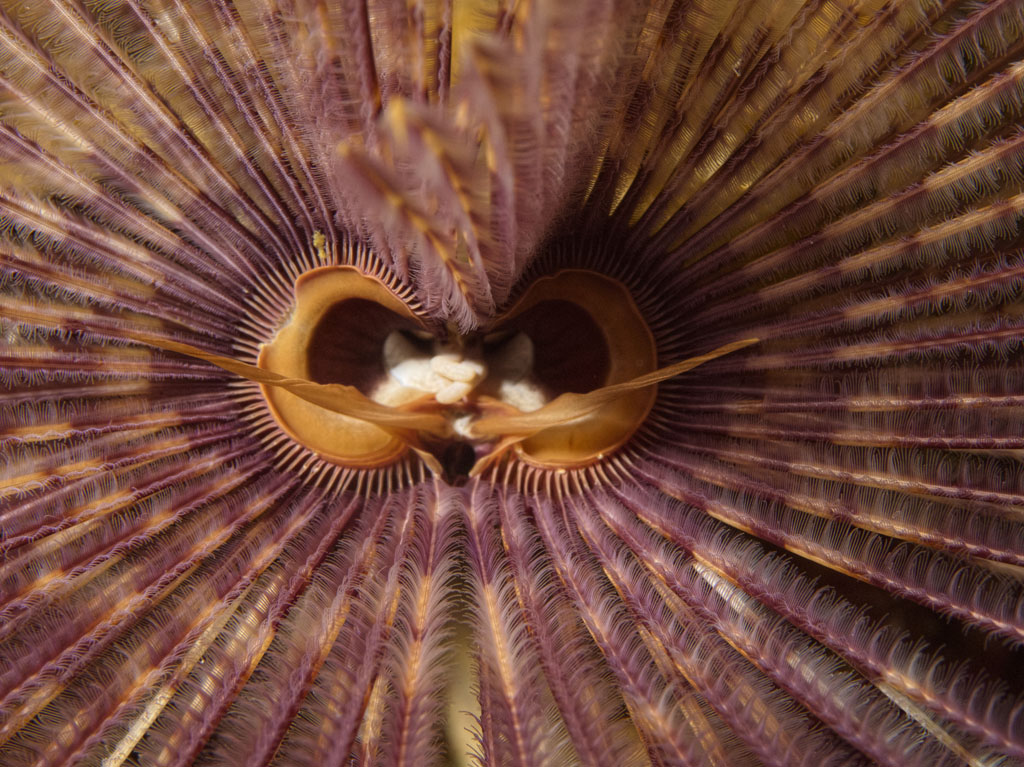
(447,374)
(511,369)
(450,376)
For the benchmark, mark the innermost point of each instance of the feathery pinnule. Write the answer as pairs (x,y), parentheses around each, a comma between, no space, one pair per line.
(804,545)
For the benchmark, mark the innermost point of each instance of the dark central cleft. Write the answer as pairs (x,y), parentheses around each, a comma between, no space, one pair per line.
(468,374)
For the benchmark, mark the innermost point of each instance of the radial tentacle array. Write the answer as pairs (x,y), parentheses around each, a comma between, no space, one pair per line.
(349,401)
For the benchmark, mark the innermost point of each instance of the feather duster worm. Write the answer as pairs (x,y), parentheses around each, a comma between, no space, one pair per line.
(467,381)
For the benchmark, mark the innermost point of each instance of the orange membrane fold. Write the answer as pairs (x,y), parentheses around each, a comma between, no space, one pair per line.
(406,423)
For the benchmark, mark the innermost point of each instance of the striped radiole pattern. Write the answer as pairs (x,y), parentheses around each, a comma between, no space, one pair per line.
(811,552)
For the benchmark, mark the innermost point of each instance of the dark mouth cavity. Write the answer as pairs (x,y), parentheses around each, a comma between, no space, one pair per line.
(460,400)
(570,353)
